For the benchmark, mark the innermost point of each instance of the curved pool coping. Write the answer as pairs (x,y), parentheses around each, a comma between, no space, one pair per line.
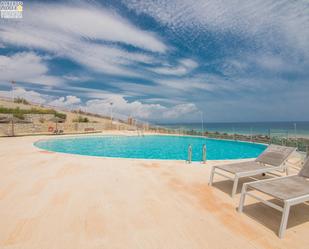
(139,159)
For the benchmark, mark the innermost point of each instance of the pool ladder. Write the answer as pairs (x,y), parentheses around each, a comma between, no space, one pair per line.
(140,133)
(204,154)
(189,154)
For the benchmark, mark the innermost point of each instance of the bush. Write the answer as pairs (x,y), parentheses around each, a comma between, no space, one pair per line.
(60,115)
(19,113)
(21,101)
(81,119)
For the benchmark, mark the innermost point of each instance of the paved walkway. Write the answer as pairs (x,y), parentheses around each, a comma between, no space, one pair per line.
(52,200)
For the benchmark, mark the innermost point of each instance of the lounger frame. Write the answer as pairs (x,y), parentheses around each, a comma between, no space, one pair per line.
(283,168)
(286,204)
(250,173)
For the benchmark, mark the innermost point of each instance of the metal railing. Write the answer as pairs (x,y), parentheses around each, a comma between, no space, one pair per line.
(189,154)
(285,138)
(204,153)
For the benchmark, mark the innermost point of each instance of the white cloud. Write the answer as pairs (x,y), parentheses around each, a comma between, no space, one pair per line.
(277,23)
(122,108)
(73,23)
(189,84)
(110,60)
(162,101)
(189,63)
(26,67)
(94,23)
(275,63)
(180,111)
(68,101)
(184,66)
(71,77)
(77,32)
(31,96)
(142,90)
(252,64)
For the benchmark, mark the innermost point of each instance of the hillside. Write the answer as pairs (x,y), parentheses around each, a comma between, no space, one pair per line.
(75,122)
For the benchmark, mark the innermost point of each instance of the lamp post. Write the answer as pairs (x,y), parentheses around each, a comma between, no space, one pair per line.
(13,83)
(295,133)
(111,104)
(202,119)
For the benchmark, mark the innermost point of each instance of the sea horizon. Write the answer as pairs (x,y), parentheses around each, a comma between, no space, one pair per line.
(276,128)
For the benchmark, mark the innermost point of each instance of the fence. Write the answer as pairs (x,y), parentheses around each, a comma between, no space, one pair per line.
(285,138)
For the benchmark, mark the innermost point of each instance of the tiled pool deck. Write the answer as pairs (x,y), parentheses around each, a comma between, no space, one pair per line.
(53,200)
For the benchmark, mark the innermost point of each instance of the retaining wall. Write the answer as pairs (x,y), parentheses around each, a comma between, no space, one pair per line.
(6,129)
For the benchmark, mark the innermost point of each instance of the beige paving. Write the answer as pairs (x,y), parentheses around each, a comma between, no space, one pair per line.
(53,200)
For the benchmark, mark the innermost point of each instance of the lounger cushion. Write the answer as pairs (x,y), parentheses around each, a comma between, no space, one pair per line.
(272,158)
(243,167)
(283,188)
(275,155)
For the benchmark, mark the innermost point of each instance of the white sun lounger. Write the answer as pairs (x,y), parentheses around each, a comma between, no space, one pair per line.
(272,159)
(291,190)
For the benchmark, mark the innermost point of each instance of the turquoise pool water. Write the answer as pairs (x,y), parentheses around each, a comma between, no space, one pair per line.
(152,147)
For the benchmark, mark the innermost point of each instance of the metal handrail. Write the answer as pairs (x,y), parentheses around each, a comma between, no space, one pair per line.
(189,154)
(204,153)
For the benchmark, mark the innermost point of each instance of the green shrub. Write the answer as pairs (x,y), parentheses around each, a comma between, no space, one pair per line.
(19,113)
(81,119)
(60,115)
(21,101)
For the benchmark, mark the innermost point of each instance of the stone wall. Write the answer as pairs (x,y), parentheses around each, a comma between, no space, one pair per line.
(48,128)
(38,118)
(20,128)
(5,115)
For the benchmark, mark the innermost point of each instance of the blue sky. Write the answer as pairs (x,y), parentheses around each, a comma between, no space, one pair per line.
(162,61)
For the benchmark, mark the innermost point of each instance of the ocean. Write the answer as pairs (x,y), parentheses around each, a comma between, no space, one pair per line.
(284,129)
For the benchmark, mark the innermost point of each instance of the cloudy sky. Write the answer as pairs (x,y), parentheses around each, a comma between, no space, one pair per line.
(162,60)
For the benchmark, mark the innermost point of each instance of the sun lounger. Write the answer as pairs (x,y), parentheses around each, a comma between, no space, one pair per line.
(57,132)
(291,190)
(272,159)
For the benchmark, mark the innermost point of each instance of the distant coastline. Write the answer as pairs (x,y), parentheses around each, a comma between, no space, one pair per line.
(293,129)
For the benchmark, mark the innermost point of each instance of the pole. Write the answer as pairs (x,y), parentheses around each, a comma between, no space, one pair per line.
(295,132)
(189,153)
(233,133)
(13,132)
(251,134)
(13,82)
(202,118)
(204,152)
(111,104)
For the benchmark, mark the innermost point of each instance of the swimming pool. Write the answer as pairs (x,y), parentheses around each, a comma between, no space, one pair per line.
(152,147)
